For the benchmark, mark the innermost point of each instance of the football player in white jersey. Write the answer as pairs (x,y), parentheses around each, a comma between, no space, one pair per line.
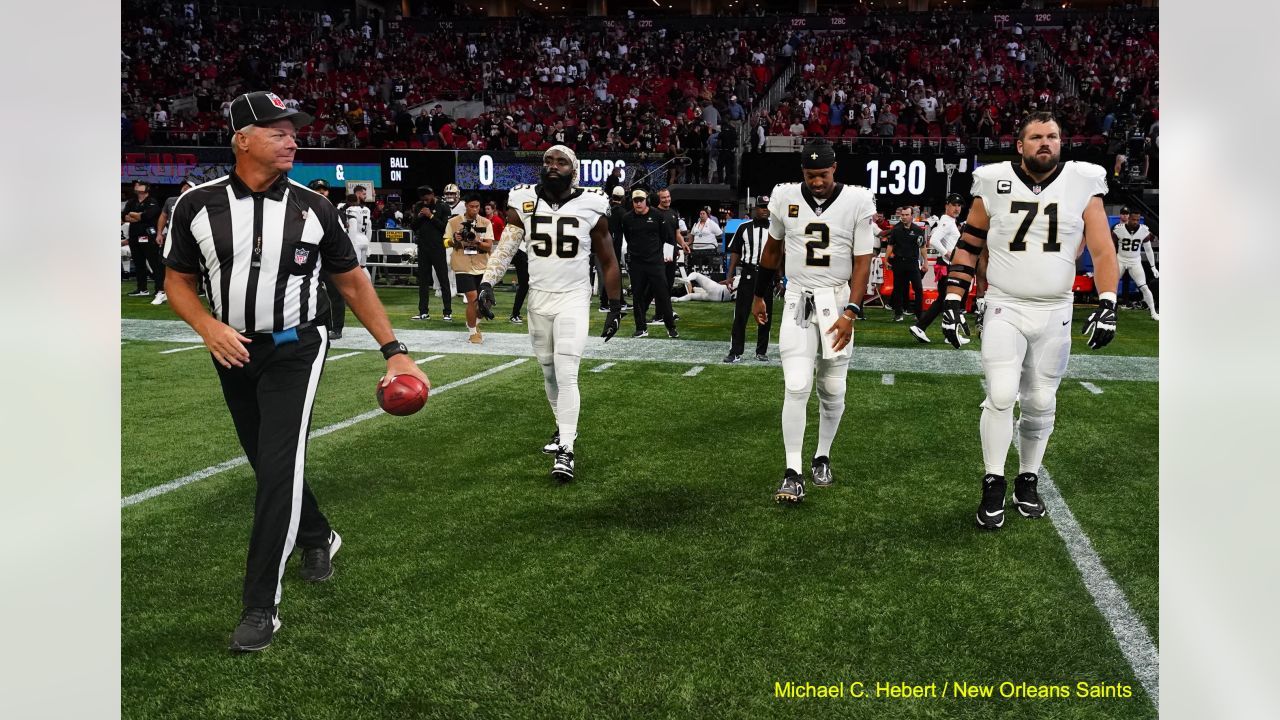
(1132,237)
(359,222)
(700,287)
(561,219)
(824,229)
(1031,218)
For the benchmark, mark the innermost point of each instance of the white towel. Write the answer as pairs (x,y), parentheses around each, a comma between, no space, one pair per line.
(828,303)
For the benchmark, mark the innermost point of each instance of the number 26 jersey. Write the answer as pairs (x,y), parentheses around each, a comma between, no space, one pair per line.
(817,236)
(557,236)
(1036,229)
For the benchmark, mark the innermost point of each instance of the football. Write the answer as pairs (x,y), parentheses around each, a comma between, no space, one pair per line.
(404,395)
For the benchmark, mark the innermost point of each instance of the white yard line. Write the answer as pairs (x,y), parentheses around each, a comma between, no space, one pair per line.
(1091,387)
(886,379)
(694,370)
(242,460)
(181,349)
(602,367)
(343,355)
(427,359)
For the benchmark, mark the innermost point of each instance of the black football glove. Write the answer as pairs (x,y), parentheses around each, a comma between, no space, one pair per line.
(613,320)
(1100,326)
(485,301)
(954,324)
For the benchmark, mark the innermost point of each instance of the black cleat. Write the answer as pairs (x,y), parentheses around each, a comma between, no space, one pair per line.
(335,334)
(1025,497)
(821,471)
(792,488)
(762,357)
(258,625)
(553,445)
(640,333)
(732,359)
(991,511)
(317,563)
(672,332)
(562,468)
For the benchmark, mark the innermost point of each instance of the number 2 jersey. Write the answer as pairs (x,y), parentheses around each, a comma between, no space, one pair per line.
(818,236)
(558,236)
(1036,229)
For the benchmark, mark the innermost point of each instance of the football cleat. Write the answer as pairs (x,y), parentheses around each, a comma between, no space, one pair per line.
(421,316)
(762,357)
(792,488)
(1025,497)
(732,359)
(919,333)
(991,510)
(562,468)
(640,333)
(517,320)
(553,445)
(821,471)
(672,332)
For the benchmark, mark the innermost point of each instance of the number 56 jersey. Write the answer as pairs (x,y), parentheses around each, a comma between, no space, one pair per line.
(818,236)
(1036,229)
(557,235)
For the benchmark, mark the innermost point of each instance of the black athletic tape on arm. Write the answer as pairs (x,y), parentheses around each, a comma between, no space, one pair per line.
(968,247)
(974,231)
(967,269)
(764,282)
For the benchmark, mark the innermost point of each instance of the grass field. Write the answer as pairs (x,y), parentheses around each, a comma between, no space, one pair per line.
(664,582)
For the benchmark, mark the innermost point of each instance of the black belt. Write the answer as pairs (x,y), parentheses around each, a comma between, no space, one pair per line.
(270,335)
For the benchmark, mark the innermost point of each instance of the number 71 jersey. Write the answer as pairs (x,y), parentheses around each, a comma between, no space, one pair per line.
(1036,229)
(558,235)
(818,237)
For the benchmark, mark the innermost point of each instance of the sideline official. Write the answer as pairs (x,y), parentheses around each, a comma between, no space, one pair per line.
(744,253)
(141,213)
(428,219)
(259,241)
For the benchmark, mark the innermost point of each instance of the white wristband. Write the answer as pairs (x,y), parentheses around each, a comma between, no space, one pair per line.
(1107,296)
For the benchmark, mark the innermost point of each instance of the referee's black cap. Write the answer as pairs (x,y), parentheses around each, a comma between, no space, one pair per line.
(261,107)
(762,201)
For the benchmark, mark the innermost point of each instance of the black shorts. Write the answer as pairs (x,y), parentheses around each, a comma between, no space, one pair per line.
(468,283)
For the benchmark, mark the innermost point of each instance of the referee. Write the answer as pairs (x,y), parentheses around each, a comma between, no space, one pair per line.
(744,253)
(258,241)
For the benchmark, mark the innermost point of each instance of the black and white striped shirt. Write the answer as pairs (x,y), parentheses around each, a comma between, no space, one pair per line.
(259,255)
(748,241)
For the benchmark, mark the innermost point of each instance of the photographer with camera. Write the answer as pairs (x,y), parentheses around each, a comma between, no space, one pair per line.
(471,237)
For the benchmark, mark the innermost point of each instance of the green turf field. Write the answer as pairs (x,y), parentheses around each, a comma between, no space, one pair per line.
(664,582)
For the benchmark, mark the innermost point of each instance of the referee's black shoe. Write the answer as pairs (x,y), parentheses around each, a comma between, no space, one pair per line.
(317,562)
(991,510)
(258,625)
(1025,497)
(732,359)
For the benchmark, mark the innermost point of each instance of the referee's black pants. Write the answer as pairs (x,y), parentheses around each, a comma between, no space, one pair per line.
(270,400)
(906,274)
(742,315)
(649,282)
(428,261)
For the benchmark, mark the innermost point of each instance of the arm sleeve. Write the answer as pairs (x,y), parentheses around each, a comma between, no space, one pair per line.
(1148,250)
(182,252)
(337,254)
(500,257)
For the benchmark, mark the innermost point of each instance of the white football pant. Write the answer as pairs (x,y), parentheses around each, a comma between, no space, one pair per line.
(801,350)
(558,328)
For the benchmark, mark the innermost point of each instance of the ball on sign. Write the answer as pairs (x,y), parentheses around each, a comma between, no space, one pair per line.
(404,395)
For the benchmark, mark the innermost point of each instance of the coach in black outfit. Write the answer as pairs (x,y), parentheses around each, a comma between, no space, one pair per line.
(142,214)
(645,233)
(906,242)
(428,218)
(744,253)
(267,336)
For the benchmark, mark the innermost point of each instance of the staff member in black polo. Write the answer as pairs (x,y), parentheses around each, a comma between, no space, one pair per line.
(645,232)
(141,213)
(428,218)
(907,260)
(259,241)
(744,253)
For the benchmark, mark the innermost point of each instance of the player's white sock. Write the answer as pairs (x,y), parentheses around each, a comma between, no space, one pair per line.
(1033,437)
(1149,298)
(473,329)
(996,429)
(794,407)
(550,385)
(831,388)
(569,402)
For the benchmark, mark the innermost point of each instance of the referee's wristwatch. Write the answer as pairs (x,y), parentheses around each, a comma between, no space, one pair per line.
(395,347)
